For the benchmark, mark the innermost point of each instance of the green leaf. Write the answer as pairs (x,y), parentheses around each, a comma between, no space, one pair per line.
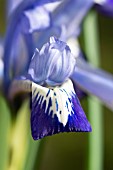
(19,140)
(91,38)
(5,127)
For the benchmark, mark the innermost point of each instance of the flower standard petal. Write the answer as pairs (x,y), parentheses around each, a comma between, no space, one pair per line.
(53,64)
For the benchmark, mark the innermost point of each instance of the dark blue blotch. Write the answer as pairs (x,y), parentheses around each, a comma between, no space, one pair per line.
(49,106)
(41,99)
(60,112)
(48,93)
(56,104)
(34,91)
(44,105)
(35,98)
(69,99)
(36,102)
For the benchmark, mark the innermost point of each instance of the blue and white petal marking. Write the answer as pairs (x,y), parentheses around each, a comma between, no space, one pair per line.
(53,109)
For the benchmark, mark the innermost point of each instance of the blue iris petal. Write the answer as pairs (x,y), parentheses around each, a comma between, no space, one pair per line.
(15,21)
(106,7)
(19,54)
(1,60)
(13,5)
(55,113)
(1,48)
(94,81)
(53,109)
(35,19)
(69,15)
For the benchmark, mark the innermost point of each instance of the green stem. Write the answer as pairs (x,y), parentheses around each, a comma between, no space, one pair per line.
(5,127)
(95,155)
(19,138)
(33,154)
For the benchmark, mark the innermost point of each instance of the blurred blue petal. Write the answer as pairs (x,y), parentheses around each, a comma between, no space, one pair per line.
(19,55)
(13,5)
(105,6)
(14,23)
(53,109)
(35,19)
(1,71)
(1,48)
(71,14)
(53,64)
(1,60)
(94,81)
(68,15)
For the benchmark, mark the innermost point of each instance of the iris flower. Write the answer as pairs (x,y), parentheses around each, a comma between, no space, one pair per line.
(54,105)
(48,75)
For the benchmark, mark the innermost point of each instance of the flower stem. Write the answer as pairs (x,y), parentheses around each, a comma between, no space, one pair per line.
(32,154)
(95,154)
(5,124)
(19,138)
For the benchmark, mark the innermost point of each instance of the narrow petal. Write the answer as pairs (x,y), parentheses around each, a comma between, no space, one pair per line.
(94,81)
(1,48)
(54,110)
(1,61)
(12,5)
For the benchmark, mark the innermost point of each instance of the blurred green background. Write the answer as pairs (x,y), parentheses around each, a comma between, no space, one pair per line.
(69,151)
